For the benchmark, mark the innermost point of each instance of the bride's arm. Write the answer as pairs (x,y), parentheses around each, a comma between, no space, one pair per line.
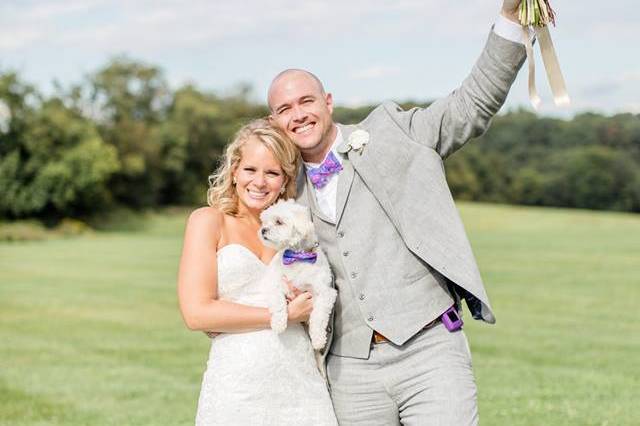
(198,283)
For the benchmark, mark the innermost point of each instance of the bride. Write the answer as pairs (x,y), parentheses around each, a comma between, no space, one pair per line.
(253,376)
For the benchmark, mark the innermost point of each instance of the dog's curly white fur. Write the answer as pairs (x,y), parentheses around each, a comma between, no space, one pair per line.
(287,225)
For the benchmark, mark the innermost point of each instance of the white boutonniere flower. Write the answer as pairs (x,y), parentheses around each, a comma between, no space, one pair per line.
(358,139)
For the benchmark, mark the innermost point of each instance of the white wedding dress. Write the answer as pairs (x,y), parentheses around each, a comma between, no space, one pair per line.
(259,377)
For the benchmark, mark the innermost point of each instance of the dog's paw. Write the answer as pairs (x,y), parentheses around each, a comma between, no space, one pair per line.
(318,342)
(318,335)
(279,321)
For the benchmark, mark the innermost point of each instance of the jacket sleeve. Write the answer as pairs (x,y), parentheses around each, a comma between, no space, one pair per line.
(448,123)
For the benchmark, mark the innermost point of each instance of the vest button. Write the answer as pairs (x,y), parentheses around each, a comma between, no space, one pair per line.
(354,274)
(340,234)
(370,318)
(345,253)
(361,297)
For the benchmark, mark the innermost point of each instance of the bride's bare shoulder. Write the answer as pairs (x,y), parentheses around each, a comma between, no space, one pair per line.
(206,219)
(207,214)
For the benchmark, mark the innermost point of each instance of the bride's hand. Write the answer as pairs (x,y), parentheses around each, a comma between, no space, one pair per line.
(300,307)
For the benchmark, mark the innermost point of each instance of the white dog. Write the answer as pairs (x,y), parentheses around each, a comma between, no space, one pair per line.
(287,227)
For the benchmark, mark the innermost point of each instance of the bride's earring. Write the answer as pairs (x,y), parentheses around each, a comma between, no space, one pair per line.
(234,181)
(282,190)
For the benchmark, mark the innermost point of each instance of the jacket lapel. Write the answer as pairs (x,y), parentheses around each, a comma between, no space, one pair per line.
(345,178)
(362,162)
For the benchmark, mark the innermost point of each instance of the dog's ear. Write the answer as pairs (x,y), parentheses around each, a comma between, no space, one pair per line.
(310,239)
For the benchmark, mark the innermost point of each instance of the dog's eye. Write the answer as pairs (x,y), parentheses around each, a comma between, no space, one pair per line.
(278,222)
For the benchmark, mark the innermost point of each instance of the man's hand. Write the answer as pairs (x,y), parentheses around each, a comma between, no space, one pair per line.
(510,10)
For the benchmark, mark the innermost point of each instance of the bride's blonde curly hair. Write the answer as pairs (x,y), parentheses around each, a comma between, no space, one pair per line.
(222,193)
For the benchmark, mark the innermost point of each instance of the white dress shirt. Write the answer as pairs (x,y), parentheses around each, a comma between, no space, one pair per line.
(326,196)
(510,30)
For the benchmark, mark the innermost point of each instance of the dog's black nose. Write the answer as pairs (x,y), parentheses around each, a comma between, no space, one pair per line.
(263,231)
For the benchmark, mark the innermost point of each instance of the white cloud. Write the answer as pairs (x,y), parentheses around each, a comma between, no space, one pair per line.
(14,38)
(24,25)
(164,24)
(632,107)
(631,76)
(46,10)
(374,72)
(217,41)
(355,102)
(625,82)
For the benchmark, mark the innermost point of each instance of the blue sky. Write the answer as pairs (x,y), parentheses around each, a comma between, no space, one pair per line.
(364,51)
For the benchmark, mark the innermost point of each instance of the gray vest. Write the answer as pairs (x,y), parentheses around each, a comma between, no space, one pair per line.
(393,292)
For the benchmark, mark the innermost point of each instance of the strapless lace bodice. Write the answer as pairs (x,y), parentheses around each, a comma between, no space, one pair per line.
(259,377)
(239,275)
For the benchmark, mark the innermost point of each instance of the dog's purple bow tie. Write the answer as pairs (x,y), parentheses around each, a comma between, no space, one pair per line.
(320,175)
(290,256)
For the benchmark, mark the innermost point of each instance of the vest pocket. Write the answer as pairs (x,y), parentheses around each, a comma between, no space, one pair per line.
(413,276)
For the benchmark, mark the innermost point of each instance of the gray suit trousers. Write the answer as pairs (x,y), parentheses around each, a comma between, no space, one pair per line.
(427,381)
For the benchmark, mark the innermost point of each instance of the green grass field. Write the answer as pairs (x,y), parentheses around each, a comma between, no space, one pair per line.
(90,333)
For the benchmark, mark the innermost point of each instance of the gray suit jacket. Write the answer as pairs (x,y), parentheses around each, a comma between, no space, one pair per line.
(398,248)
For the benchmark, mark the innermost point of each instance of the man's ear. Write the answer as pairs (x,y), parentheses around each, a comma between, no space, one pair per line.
(329,100)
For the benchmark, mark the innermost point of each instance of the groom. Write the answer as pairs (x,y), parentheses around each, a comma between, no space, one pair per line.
(397,247)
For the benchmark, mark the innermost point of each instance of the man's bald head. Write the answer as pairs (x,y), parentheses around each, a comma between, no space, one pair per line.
(300,107)
(288,74)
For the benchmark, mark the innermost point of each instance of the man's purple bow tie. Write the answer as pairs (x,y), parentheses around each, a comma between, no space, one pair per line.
(290,256)
(320,175)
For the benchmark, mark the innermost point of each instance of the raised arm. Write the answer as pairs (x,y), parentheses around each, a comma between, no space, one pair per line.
(447,124)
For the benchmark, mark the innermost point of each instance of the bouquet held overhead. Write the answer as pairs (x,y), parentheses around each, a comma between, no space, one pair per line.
(537,14)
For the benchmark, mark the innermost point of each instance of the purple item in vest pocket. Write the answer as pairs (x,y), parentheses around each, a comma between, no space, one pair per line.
(451,319)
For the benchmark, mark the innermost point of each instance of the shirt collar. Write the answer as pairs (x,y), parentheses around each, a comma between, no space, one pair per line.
(336,143)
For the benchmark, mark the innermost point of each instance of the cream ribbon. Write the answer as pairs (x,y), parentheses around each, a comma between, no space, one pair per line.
(551,66)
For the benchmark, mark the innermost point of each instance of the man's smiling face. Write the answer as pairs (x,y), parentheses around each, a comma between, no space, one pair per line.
(301,108)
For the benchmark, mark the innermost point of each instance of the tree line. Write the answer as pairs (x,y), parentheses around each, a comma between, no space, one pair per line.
(122,137)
